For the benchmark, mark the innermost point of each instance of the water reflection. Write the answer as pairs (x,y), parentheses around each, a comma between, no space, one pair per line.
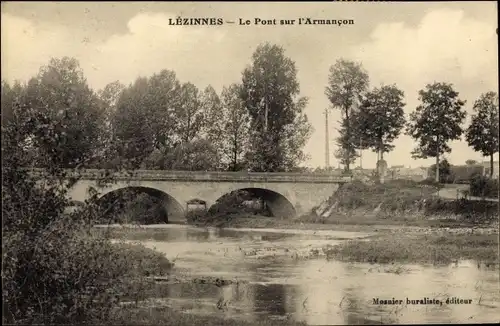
(280,279)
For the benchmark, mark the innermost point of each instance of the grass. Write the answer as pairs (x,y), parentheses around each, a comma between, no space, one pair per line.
(167,316)
(146,260)
(397,202)
(425,249)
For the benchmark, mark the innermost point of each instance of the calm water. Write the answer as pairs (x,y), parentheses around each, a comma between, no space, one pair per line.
(286,276)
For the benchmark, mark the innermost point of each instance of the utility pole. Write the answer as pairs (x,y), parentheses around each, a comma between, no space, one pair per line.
(327,141)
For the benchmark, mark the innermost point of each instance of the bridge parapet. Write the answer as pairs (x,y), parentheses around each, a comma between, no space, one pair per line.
(204,176)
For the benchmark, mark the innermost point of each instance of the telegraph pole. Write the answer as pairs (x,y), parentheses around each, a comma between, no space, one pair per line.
(327,141)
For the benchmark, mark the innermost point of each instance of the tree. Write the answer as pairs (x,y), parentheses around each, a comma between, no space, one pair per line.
(347,82)
(55,268)
(436,121)
(213,121)
(189,113)
(147,117)
(108,98)
(482,134)
(471,162)
(197,155)
(380,119)
(345,153)
(134,136)
(65,115)
(236,128)
(269,92)
(445,172)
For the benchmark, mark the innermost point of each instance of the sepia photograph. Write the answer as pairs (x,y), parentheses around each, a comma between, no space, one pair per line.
(250,163)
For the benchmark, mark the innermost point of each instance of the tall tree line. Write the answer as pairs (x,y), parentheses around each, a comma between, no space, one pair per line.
(159,122)
(374,118)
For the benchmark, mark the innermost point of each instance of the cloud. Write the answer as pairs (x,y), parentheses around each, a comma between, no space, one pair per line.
(25,44)
(446,44)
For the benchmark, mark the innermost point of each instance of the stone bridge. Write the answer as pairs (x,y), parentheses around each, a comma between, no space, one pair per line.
(286,194)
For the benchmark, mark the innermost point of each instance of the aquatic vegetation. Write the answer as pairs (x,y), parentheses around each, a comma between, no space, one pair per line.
(427,248)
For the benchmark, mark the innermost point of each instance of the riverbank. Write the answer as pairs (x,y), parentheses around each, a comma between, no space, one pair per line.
(169,317)
(357,205)
(437,248)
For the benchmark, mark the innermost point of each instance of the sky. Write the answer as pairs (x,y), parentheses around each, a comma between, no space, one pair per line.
(409,44)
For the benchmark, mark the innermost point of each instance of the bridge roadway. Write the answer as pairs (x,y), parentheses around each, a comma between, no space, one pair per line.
(286,194)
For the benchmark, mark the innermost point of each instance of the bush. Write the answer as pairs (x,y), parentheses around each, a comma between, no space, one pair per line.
(197,215)
(132,207)
(233,204)
(56,271)
(482,186)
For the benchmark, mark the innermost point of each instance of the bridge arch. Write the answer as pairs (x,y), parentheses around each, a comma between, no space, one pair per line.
(115,200)
(278,204)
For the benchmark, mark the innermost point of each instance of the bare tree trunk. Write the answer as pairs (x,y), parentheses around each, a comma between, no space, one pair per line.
(491,165)
(437,159)
(437,167)
(348,149)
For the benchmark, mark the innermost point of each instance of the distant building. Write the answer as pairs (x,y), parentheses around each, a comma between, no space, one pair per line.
(402,172)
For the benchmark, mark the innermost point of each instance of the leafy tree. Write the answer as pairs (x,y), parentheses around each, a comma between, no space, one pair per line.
(147,117)
(482,134)
(380,119)
(214,121)
(55,268)
(66,119)
(162,106)
(189,113)
(347,82)
(108,98)
(197,155)
(295,137)
(345,153)
(471,162)
(269,91)
(236,128)
(445,172)
(110,93)
(134,136)
(436,121)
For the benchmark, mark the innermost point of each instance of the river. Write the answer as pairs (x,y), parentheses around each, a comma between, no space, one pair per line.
(284,274)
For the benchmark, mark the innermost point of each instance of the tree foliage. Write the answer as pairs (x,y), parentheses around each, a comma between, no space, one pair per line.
(436,121)
(347,82)
(65,118)
(445,172)
(213,124)
(482,133)
(55,270)
(346,151)
(236,128)
(380,118)
(269,92)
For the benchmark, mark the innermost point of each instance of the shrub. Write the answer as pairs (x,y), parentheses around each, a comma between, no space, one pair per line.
(54,269)
(197,215)
(233,204)
(483,186)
